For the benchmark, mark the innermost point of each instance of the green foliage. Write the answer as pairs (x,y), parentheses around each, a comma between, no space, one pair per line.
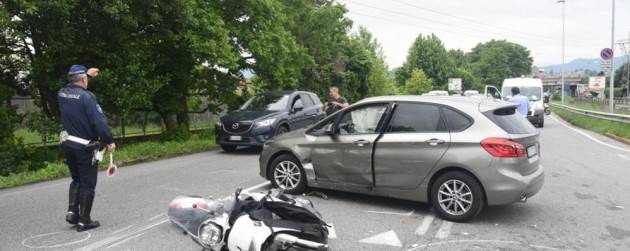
(427,53)
(45,126)
(126,154)
(418,83)
(622,76)
(496,60)
(619,129)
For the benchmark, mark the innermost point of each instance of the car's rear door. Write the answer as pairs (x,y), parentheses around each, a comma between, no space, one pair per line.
(414,140)
(346,156)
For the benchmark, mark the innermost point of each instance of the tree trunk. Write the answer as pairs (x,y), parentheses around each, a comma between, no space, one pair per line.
(169,121)
(182,116)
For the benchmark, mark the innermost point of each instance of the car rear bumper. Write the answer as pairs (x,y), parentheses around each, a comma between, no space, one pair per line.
(256,136)
(509,186)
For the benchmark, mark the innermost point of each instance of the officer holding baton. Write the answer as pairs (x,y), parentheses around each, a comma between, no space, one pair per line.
(85,134)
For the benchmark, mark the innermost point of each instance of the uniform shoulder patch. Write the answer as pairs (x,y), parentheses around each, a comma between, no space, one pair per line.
(98,108)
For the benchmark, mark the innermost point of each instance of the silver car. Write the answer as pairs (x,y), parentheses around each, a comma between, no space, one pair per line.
(459,154)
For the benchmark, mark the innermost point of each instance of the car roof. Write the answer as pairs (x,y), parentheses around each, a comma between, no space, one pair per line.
(484,104)
(284,92)
(522,82)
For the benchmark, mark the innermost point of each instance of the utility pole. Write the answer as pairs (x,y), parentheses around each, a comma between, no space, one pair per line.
(562,67)
(611,97)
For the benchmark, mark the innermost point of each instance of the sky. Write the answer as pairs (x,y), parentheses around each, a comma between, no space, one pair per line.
(536,24)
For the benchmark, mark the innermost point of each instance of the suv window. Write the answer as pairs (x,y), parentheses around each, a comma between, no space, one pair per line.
(297,102)
(308,102)
(455,121)
(416,117)
(315,99)
(510,121)
(362,120)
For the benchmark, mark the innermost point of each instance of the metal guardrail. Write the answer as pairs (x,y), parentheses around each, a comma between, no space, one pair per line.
(602,115)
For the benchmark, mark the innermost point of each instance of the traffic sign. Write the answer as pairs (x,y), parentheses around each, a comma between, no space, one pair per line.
(606,54)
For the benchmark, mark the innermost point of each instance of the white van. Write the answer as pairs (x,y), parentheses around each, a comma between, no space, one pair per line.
(532,88)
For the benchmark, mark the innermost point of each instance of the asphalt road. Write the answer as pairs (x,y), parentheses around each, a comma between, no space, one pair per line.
(584,205)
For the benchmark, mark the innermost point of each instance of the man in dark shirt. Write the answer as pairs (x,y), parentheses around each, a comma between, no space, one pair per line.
(84,126)
(335,101)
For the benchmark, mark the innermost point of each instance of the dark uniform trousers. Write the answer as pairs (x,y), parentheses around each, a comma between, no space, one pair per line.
(84,173)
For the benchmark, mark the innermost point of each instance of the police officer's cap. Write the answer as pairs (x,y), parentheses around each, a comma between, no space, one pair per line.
(77,69)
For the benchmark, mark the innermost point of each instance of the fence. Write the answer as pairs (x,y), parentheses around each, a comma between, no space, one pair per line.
(621,105)
(136,125)
(595,114)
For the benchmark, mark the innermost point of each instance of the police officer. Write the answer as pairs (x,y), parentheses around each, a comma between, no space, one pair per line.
(86,129)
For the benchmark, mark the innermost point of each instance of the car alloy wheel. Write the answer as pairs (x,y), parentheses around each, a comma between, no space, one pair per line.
(287,175)
(455,197)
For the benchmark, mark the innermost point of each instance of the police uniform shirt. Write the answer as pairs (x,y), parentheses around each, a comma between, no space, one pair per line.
(82,116)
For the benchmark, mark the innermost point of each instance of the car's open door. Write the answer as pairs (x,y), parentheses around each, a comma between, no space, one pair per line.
(490,91)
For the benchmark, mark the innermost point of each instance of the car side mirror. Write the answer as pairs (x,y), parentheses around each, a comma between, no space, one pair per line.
(297,109)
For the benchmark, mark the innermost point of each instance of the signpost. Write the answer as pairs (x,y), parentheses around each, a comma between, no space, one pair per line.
(607,56)
(455,85)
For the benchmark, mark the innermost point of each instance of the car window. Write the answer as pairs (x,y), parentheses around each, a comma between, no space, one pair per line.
(410,117)
(306,100)
(266,102)
(455,121)
(320,128)
(315,99)
(510,121)
(297,102)
(363,120)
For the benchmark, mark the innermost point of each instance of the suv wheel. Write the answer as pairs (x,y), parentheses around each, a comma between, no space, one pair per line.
(457,196)
(287,174)
(282,130)
(228,148)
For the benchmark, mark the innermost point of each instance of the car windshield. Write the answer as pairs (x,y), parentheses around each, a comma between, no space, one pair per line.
(532,93)
(266,102)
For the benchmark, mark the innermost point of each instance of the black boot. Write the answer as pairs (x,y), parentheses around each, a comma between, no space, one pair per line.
(85,222)
(72,216)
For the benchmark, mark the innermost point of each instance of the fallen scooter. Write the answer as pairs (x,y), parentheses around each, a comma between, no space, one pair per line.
(251,221)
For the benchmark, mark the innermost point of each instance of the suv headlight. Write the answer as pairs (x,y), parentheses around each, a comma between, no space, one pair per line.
(265,123)
(210,234)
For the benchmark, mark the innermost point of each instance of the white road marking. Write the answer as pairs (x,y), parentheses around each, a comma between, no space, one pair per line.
(516,243)
(591,137)
(124,240)
(424,226)
(115,238)
(249,189)
(122,229)
(623,156)
(24,242)
(445,230)
(157,216)
(388,238)
(332,234)
(392,213)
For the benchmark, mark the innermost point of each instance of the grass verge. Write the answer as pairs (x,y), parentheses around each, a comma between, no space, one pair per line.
(618,129)
(126,154)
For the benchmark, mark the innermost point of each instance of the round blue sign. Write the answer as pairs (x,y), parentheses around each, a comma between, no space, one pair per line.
(606,54)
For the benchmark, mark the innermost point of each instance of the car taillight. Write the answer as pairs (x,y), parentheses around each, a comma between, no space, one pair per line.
(503,148)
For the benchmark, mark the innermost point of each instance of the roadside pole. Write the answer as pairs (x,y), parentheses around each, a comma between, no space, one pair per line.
(611,97)
(562,67)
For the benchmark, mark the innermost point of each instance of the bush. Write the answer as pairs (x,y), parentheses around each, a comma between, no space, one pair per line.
(14,156)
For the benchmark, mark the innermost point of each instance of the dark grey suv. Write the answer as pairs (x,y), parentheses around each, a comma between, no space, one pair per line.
(266,115)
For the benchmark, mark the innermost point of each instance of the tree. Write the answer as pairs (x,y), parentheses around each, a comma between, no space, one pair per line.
(496,60)
(622,75)
(459,57)
(427,53)
(418,83)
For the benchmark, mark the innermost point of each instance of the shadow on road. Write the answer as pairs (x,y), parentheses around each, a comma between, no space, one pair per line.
(243,151)
(370,201)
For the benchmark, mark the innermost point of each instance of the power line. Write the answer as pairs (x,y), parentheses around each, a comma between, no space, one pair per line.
(526,37)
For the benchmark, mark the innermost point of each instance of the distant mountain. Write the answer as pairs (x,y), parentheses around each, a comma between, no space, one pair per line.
(593,64)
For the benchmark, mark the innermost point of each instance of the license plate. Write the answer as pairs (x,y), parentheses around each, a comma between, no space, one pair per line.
(532,151)
(236,138)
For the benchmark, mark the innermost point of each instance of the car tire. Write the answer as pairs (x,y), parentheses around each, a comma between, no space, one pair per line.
(228,148)
(288,165)
(451,210)
(281,130)
(541,124)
